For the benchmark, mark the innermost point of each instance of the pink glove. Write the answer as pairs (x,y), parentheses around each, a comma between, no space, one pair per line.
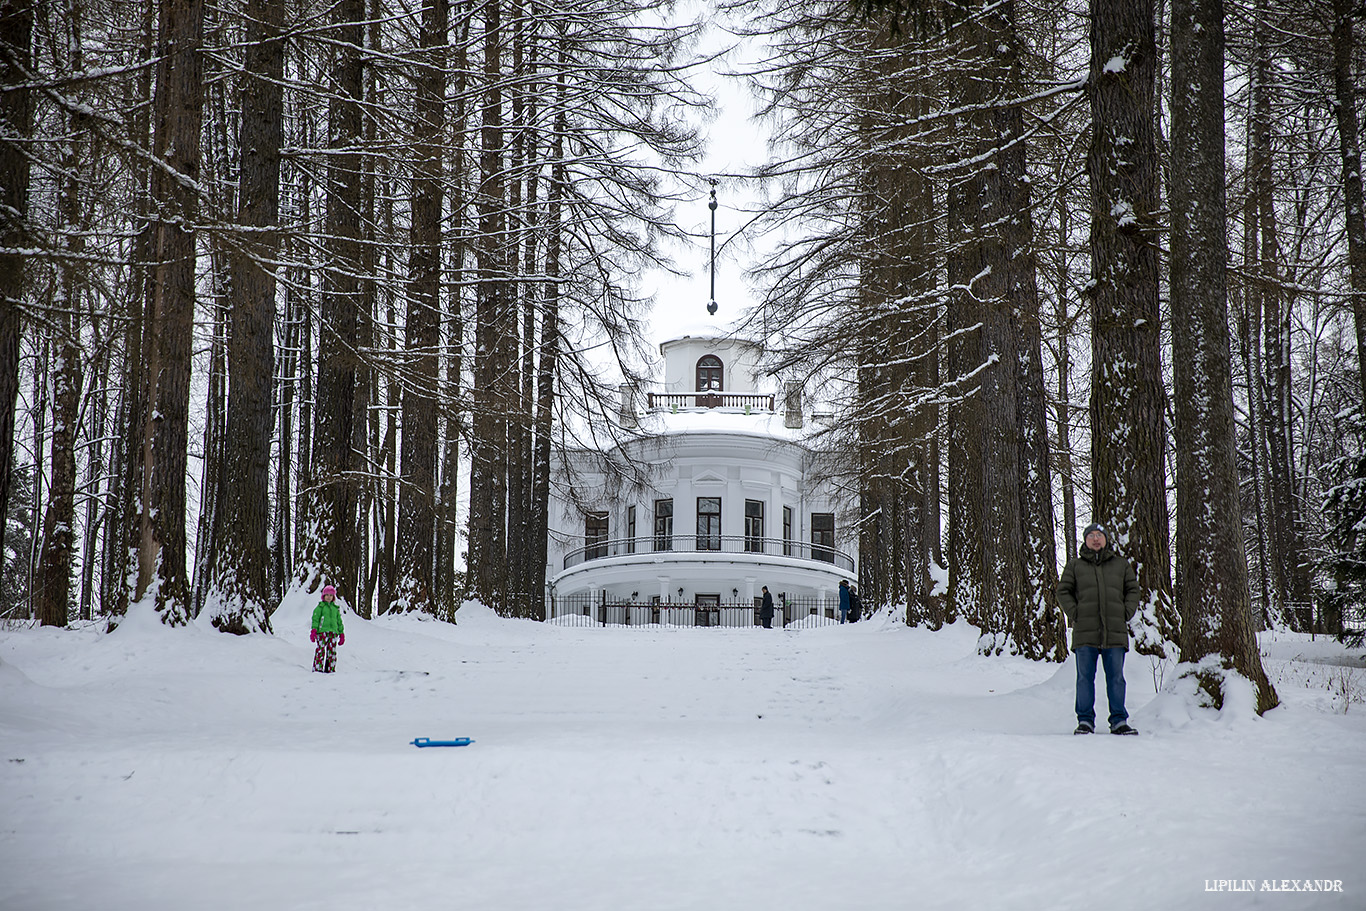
(342,639)
(312,635)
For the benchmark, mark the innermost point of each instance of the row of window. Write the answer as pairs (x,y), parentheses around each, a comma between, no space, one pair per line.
(597,530)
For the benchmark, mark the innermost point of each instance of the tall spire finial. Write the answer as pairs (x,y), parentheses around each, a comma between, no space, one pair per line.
(711,306)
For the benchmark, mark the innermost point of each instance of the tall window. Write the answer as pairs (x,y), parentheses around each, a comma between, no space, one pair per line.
(787,531)
(708,523)
(595,535)
(630,529)
(664,524)
(754,526)
(710,375)
(823,536)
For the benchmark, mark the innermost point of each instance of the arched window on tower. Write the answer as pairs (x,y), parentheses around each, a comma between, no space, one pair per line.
(710,374)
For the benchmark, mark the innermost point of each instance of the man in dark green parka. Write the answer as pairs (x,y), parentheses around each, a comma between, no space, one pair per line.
(1098,592)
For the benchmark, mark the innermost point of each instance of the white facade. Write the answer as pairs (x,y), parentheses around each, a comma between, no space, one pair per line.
(715,495)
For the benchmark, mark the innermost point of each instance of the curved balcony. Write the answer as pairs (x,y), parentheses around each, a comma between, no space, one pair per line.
(709,544)
(677,401)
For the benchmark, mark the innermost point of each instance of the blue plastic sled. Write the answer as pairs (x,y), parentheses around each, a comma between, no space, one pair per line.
(428,742)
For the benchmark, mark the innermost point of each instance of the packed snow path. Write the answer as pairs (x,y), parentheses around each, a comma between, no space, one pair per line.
(867,766)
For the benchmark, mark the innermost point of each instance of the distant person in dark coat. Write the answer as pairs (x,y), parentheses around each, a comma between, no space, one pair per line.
(844,601)
(766,610)
(1098,592)
(855,605)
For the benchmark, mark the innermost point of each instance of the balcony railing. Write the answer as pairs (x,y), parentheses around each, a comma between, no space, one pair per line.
(710,544)
(592,610)
(673,401)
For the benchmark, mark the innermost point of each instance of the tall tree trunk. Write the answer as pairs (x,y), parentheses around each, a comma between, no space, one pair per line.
(285,390)
(548,362)
(530,576)
(328,538)
(240,599)
(494,335)
(377,221)
(100,480)
(514,28)
(449,588)
(1247,319)
(417,495)
(123,566)
(982,288)
(1344,86)
(1063,407)
(169,324)
(212,469)
(1289,571)
(16,53)
(1212,591)
(53,588)
(1128,432)
(1037,629)
(963,357)
(880,416)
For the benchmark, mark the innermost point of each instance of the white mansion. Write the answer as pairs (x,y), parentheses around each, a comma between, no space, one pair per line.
(722,497)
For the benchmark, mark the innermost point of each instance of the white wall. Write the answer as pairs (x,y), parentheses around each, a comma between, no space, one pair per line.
(740,360)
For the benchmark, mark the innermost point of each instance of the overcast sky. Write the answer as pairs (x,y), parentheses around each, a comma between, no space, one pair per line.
(735,144)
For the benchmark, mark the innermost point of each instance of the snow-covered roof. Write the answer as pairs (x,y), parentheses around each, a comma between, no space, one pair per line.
(714,420)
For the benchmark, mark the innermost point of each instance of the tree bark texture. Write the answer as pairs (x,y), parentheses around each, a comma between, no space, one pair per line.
(16,41)
(982,288)
(414,554)
(898,335)
(495,336)
(1345,90)
(1037,629)
(329,553)
(1289,572)
(1128,426)
(241,575)
(53,589)
(1212,591)
(547,367)
(169,324)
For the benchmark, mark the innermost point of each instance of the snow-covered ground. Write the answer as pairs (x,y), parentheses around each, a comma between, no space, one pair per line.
(868,766)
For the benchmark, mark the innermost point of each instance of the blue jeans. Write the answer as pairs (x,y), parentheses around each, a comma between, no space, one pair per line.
(1113,661)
